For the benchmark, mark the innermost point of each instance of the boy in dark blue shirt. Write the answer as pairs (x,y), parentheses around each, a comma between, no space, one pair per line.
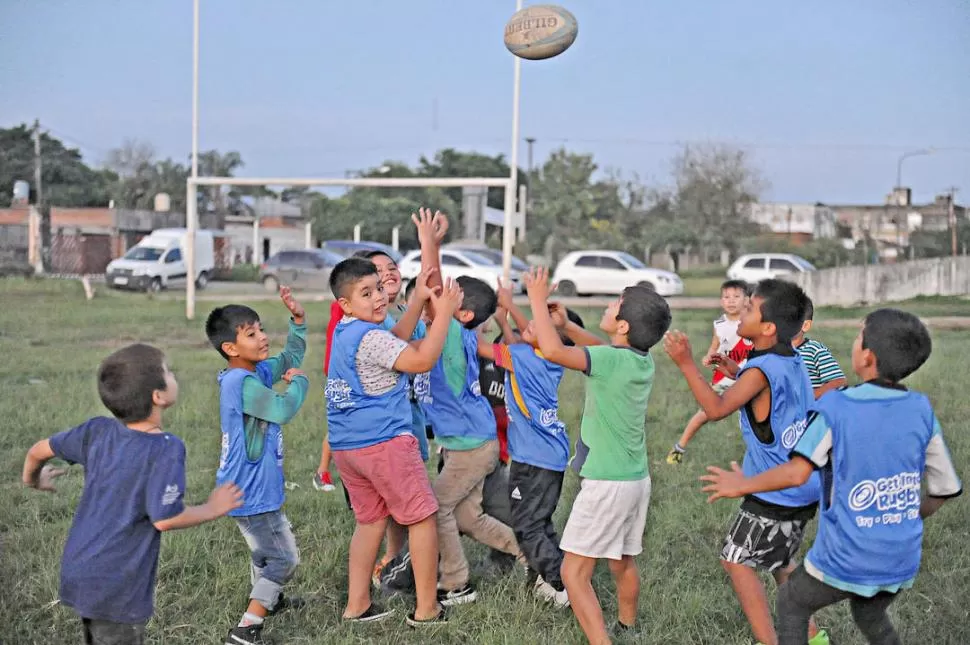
(874,443)
(252,414)
(773,392)
(134,482)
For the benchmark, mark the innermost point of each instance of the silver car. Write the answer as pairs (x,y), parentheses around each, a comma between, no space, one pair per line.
(307,269)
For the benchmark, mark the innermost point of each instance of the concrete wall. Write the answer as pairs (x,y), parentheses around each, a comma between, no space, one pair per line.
(881,283)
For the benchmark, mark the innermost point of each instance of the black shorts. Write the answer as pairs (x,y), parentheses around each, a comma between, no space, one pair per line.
(761,542)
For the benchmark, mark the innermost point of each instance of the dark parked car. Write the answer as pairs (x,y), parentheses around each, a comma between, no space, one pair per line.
(303,269)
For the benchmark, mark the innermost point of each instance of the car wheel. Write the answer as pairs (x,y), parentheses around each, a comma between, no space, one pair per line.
(567,288)
(271,284)
(155,285)
(203,281)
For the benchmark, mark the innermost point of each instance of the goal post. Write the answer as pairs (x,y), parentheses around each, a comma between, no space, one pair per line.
(192,207)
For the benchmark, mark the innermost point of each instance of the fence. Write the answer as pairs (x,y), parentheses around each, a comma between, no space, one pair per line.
(881,283)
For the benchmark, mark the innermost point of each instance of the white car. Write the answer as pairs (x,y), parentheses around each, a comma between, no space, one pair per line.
(610,272)
(456,263)
(754,267)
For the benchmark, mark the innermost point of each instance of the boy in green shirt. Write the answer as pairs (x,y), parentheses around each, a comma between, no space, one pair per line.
(609,514)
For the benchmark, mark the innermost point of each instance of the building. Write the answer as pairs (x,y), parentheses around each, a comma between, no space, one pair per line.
(888,226)
(800,223)
(268,225)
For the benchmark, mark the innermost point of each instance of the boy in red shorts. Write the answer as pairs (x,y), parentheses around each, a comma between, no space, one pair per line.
(369,424)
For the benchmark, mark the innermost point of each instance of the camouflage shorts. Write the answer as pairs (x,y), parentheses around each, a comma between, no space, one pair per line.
(762,543)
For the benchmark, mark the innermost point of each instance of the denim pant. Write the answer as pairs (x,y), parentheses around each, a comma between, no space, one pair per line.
(275,555)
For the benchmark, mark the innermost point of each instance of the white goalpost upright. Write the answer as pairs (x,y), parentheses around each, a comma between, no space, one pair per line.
(194,182)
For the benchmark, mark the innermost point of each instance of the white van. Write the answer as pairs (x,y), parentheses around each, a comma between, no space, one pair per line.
(158,261)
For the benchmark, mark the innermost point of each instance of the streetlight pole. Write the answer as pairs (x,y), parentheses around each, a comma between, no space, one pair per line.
(898,188)
(191,203)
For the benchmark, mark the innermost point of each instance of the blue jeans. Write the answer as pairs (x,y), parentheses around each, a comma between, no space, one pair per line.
(275,555)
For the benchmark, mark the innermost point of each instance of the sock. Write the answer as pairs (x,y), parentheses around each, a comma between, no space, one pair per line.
(679,448)
(248,620)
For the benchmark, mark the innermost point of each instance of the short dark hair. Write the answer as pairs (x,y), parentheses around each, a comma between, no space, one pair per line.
(577,320)
(899,340)
(370,255)
(809,309)
(347,273)
(783,303)
(408,290)
(740,285)
(647,314)
(128,378)
(480,299)
(223,324)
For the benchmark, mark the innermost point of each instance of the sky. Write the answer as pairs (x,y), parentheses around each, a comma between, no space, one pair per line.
(824,95)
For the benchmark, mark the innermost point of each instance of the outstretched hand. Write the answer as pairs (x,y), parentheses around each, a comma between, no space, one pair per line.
(537,284)
(45,480)
(432,228)
(295,308)
(677,347)
(723,483)
(422,292)
(447,300)
(504,294)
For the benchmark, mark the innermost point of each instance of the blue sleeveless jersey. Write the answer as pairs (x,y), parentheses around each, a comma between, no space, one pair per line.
(467,415)
(261,481)
(418,422)
(536,436)
(791,395)
(870,531)
(356,419)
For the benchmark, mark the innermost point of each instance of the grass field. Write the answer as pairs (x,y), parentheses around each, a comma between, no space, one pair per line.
(52,340)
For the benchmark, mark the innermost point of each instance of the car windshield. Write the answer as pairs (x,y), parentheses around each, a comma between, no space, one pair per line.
(144,253)
(632,261)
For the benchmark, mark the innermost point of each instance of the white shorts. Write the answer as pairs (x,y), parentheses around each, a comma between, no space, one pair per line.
(607,519)
(721,386)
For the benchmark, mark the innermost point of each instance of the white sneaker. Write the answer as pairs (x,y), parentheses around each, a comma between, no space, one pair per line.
(545,591)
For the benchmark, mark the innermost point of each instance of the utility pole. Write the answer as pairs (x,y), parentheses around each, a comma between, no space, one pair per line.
(952,218)
(530,141)
(40,204)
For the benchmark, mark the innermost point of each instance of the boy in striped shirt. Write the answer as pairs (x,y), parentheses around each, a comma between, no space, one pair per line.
(823,369)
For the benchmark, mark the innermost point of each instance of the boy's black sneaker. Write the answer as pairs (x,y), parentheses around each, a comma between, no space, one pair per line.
(284,603)
(460,596)
(251,635)
(372,614)
(440,619)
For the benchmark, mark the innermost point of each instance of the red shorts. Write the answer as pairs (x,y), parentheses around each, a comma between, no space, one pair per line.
(387,479)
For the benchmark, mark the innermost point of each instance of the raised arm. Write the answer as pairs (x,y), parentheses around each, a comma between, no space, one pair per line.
(751,383)
(292,355)
(36,474)
(420,356)
(550,344)
(431,231)
(404,329)
(574,332)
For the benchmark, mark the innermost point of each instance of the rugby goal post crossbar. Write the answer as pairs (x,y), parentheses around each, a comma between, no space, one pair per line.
(192,207)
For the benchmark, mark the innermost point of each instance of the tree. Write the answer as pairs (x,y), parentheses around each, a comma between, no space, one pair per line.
(67,180)
(140,177)
(219,200)
(712,183)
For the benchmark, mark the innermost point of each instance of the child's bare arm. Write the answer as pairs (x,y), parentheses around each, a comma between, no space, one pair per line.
(431,232)
(751,383)
(404,328)
(550,344)
(420,356)
(828,386)
(222,500)
(712,352)
(36,474)
(509,337)
(732,483)
(505,302)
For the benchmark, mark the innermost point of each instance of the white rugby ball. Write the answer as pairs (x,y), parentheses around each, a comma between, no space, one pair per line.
(540,31)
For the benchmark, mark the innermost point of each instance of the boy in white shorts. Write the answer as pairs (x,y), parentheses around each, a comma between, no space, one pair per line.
(609,514)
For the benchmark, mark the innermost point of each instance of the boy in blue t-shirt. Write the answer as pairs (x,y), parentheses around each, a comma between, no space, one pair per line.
(252,414)
(874,443)
(773,392)
(537,439)
(135,469)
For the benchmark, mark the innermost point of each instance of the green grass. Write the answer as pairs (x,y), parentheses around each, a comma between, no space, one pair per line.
(52,340)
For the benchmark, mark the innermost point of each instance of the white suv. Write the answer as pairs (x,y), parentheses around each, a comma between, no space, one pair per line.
(455,263)
(754,267)
(610,272)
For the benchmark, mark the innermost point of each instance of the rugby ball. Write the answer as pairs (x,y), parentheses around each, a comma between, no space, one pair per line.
(540,31)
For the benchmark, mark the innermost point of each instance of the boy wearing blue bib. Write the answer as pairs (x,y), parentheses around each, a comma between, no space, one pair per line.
(369,429)
(537,439)
(773,392)
(252,415)
(875,444)
(464,426)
